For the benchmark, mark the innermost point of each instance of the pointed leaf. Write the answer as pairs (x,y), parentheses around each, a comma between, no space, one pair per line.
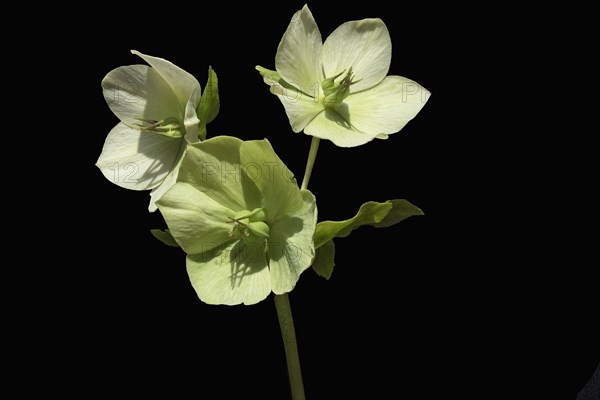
(401,209)
(379,215)
(268,74)
(324,260)
(371,212)
(271,77)
(209,105)
(165,237)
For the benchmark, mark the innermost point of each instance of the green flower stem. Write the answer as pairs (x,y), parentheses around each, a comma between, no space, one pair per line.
(312,155)
(202,133)
(286,324)
(284,310)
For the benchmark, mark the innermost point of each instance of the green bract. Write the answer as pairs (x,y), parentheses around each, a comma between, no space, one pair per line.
(157,106)
(237,211)
(338,90)
(379,215)
(209,103)
(325,259)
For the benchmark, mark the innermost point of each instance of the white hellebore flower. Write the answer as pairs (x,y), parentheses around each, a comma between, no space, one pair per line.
(237,211)
(157,107)
(338,90)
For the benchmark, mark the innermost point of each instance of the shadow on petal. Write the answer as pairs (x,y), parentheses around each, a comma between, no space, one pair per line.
(246,258)
(340,116)
(164,152)
(241,259)
(281,232)
(232,273)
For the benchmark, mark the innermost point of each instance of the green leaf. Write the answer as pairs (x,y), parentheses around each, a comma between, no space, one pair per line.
(401,209)
(270,77)
(372,213)
(165,237)
(369,213)
(268,74)
(209,105)
(324,260)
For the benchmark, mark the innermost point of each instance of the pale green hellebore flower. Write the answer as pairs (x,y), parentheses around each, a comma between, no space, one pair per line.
(238,213)
(338,90)
(157,108)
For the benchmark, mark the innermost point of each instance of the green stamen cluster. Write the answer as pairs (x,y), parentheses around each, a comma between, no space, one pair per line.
(250,222)
(335,93)
(170,127)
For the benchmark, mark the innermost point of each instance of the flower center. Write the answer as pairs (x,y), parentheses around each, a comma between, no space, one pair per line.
(250,223)
(335,93)
(170,127)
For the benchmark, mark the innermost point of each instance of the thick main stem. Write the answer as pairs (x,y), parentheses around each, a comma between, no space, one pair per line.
(284,310)
(312,156)
(288,333)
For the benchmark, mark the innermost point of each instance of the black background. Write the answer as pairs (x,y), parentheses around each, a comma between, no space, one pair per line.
(456,303)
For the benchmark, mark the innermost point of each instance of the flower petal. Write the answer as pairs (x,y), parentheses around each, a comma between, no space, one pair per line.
(137,160)
(332,126)
(387,107)
(280,192)
(365,46)
(230,274)
(197,222)
(300,109)
(291,245)
(138,91)
(191,121)
(166,184)
(213,166)
(298,58)
(183,84)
